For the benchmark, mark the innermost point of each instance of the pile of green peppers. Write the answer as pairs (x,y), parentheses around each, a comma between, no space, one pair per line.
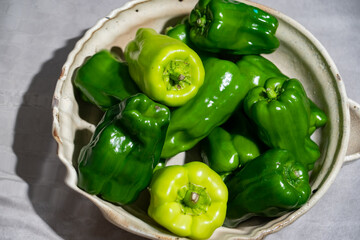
(203,84)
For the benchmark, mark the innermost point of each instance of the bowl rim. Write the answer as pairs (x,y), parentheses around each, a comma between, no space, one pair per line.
(265,229)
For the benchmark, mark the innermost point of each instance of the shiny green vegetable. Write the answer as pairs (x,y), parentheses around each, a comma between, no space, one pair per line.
(281,112)
(164,68)
(104,81)
(246,147)
(218,151)
(181,31)
(188,200)
(225,152)
(118,162)
(258,69)
(222,91)
(270,185)
(232,27)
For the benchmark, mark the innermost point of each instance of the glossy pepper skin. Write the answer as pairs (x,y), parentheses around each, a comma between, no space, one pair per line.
(232,27)
(222,91)
(189,200)
(181,31)
(225,152)
(164,68)
(258,69)
(247,148)
(270,185)
(318,117)
(118,162)
(218,151)
(104,81)
(281,112)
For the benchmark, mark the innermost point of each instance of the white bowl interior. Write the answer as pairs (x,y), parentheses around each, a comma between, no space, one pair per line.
(299,56)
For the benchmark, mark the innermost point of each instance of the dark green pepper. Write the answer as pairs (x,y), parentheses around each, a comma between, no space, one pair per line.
(218,151)
(104,80)
(225,152)
(270,185)
(222,91)
(258,69)
(281,112)
(232,27)
(118,162)
(246,147)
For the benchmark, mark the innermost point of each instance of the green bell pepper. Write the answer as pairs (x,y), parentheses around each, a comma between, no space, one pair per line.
(225,152)
(104,81)
(118,162)
(218,151)
(246,147)
(281,111)
(232,27)
(222,91)
(188,200)
(164,68)
(258,69)
(270,185)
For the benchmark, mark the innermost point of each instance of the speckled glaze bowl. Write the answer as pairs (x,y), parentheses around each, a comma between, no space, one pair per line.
(300,56)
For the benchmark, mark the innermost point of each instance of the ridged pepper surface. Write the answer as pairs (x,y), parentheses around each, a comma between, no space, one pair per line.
(118,162)
(270,185)
(281,112)
(104,81)
(258,69)
(224,152)
(232,27)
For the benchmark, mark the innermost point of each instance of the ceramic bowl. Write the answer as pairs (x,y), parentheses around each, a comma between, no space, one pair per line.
(299,56)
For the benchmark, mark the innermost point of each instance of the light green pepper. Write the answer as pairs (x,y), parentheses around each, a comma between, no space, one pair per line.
(164,68)
(188,200)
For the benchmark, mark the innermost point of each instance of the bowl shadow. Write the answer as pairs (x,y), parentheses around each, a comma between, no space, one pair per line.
(67,213)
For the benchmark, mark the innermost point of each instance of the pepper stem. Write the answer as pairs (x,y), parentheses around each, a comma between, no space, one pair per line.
(177,75)
(191,199)
(194,197)
(201,21)
(194,200)
(271,93)
(293,173)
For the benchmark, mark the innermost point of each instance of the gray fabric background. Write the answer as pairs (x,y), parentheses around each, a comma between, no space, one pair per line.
(35,38)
